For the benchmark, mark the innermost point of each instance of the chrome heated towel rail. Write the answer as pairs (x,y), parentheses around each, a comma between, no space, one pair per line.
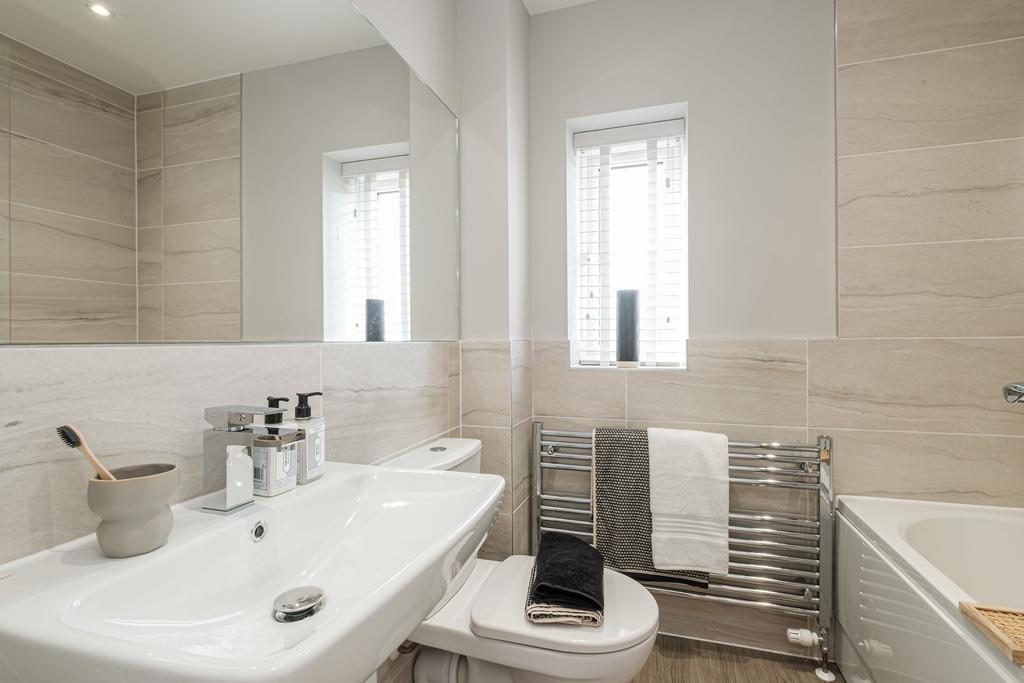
(778,560)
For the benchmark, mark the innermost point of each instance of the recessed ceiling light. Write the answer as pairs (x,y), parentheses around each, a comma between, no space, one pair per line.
(99,9)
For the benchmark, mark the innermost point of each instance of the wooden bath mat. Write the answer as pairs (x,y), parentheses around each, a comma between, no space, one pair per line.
(1004,627)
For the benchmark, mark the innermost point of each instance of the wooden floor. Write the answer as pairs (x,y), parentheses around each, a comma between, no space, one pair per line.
(675,660)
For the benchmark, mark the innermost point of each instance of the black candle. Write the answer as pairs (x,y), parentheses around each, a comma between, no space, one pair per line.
(628,328)
(375,320)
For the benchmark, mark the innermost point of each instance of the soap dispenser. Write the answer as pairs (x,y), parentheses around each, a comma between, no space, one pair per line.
(275,454)
(313,451)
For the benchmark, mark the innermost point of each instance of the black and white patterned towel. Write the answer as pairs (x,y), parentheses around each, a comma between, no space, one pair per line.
(621,491)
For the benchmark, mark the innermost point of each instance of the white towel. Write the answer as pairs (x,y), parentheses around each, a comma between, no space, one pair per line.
(689,500)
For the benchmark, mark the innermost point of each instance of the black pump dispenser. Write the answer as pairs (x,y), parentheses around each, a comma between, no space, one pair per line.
(302,409)
(275,402)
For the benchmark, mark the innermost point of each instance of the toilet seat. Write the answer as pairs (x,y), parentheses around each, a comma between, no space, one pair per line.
(451,630)
(499,613)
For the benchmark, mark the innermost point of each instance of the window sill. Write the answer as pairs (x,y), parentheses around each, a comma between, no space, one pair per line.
(613,368)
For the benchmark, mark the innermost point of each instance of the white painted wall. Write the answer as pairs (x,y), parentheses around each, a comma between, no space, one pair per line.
(424,32)
(291,116)
(434,200)
(483,169)
(758,80)
(493,145)
(518,171)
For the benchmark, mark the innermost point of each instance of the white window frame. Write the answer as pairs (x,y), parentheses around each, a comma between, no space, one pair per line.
(344,316)
(590,286)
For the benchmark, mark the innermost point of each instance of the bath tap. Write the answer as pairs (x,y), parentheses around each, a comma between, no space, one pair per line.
(1013,393)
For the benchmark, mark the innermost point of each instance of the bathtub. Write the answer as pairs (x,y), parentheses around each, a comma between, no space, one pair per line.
(902,568)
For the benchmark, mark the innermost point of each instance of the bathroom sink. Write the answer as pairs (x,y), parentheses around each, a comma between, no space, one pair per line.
(383,544)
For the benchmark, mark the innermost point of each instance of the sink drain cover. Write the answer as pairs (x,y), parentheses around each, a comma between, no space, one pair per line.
(298,603)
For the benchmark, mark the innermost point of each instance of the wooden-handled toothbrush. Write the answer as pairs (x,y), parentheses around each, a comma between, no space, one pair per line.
(72,438)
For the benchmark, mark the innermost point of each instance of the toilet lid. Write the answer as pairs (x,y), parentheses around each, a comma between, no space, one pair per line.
(499,612)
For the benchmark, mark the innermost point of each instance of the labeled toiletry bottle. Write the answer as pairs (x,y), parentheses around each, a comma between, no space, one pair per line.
(313,451)
(275,455)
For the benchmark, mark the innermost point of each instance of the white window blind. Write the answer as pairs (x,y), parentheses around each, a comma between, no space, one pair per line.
(369,256)
(631,233)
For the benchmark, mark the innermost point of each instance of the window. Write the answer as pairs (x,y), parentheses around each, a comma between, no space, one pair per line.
(630,233)
(367,249)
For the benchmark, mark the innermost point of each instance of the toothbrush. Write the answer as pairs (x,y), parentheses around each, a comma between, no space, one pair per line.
(72,438)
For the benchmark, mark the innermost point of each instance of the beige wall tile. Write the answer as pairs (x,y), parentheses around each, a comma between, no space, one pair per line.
(47,110)
(202,312)
(218,87)
(522,380)
(574,392)
(932,195)
(150,198)
(955,289)
(59,71)
(59,245)
(495,455)
(756,433)
(149,101)
(928,385)
(5,307)
(149,149)
(206,191)
(486,383)
(135,404)
(383,397)
(454,385)
(522,523)
(498,545)
(151,313)
(202,252)
(150,256)
(45,309)
(522,462)
(938,98)
(986,470)
(737,382)
(60,180)
(210,129)
(873,29)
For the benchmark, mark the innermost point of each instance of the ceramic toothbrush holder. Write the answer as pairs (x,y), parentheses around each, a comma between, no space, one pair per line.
(135,509)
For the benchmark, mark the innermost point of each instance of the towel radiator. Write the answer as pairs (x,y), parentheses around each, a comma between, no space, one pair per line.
(778,561)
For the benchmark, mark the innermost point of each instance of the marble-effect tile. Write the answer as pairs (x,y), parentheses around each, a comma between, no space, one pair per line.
(741,382)
(134,404)
(59,245)
(875,29)
(574,392)
(382,398)
(962,192)
(206,311)
(952,289)
(937,98)
(46,309)
(202,252)
(486,383)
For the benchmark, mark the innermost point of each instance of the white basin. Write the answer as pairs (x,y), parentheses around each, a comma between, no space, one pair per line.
(384,544)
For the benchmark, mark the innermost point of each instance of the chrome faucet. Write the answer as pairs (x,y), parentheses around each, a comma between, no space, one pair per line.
(232,433)
(1014,393)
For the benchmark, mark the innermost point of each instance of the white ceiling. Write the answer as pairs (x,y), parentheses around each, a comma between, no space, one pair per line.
(542,6)
(150,45)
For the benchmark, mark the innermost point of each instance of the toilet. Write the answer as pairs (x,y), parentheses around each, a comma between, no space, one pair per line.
(479,632)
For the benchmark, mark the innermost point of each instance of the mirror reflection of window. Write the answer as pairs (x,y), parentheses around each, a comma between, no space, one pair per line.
(367,251)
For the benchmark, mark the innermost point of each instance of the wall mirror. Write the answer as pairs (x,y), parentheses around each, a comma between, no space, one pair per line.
(192,171)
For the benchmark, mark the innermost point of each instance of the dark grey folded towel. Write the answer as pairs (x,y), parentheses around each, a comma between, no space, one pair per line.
(567,585)
(622,506)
